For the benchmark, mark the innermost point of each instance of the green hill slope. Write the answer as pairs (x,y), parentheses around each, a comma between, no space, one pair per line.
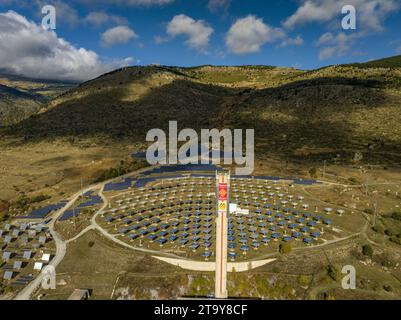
(328,113)
(391,62)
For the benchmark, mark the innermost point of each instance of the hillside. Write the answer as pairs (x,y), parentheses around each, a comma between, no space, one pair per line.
(337,109)
(340,114)
(21,97)
(391,62)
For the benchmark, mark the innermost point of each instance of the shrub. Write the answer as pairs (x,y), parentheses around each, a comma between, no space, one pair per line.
(121,170)
(378,228)
(367,250)
(285,248)
(3,216)
(328,296)
(396,215)
(304,280)
(369,211)
(333,272)
(396,240)
(384,260)
(353,180)
(8,289)
(388,288)
(313,172)
(388,233)
(276,270)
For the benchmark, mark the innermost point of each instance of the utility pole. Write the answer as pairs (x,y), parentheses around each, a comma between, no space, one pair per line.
(324,168)
(82,187)
(75,218)
(375,213)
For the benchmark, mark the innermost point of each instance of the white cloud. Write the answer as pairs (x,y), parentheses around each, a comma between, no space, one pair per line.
(398,50)
(160,39)
(146,3)
(197,32)
(297,41)
(325,39)
(336,45)
(99,18)
(65,13)
(371,13)
(249,34)
(217,5)
(29,50)
(313,11)
(117,35)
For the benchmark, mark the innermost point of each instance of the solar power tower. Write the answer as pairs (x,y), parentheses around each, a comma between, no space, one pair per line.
(223,200)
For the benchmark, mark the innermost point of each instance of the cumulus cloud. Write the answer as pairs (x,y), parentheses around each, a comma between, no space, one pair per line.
(99,18)
(29,50)
(249,34)
(297,41)
(218,5)
(117,35)
(336,45)
(66,14)
(371,13)
(197,32)
(160,39)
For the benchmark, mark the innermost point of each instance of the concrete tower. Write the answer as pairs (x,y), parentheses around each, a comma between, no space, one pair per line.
(223,200)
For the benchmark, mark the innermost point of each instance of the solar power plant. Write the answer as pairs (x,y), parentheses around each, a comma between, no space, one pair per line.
(177,215)
(19,255)
(94,200)
(184,168)
(70,214)
(45,211)
(118,186)
(89,201)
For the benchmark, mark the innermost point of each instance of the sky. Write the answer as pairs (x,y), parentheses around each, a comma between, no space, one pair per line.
(92,37)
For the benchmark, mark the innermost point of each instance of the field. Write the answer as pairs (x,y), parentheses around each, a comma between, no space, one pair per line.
(113,272)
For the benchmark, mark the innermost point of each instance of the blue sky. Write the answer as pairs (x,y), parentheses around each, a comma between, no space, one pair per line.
(105,34)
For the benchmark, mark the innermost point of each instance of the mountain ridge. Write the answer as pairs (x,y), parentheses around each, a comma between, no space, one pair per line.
(340,108)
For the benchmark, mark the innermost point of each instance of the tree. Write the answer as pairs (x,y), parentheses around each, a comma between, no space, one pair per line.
(285,248)
(313,172)
(367,250)
(378,228)
(3,216)
(333,273)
